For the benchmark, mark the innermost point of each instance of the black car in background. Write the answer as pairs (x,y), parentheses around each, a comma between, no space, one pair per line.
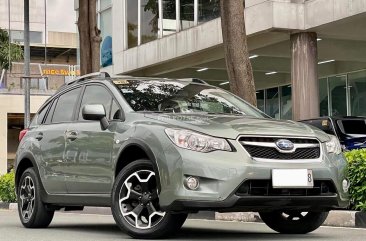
(350,130)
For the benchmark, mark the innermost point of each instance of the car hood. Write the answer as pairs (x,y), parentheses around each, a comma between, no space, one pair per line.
(231,127)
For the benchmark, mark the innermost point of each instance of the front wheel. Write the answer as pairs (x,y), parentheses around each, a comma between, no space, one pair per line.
(135,203)
(293,222)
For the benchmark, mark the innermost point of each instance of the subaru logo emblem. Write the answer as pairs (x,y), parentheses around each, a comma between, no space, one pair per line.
(285,145)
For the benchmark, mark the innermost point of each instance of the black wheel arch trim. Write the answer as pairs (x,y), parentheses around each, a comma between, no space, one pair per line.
(145,147)
(21,159)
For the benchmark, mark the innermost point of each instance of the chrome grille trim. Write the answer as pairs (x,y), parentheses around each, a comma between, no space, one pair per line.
(269,142)
(273,145)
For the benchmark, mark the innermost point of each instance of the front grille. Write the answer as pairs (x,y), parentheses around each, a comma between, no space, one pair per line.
(265,148)
(264,188)
(272,153)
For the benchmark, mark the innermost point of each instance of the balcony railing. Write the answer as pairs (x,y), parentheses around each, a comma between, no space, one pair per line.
(38,86)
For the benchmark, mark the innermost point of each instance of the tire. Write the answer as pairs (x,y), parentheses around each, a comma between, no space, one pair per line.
(293,222)
(136,187)
(32,211)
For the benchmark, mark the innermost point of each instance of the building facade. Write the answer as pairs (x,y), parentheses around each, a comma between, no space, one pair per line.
(182,38)
(53,62)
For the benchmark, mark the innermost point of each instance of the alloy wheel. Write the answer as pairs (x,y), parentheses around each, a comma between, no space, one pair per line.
(139,200)
(27,196)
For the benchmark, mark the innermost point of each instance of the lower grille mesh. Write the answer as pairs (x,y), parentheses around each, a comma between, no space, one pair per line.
(272,153)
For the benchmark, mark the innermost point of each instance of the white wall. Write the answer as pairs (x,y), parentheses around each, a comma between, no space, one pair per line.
(13,104)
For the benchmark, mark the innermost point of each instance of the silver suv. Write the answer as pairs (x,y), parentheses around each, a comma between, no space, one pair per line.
(155,150)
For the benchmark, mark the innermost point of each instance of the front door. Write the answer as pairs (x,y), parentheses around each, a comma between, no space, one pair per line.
(88,150)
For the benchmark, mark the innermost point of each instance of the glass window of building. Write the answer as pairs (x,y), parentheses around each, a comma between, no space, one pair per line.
(169,17)
(286,102)
(357,88)
(186,14)
(132,22)
(323,96)
(208,10)
(149,20)
(105,25)
(260,100)
(18,36)
(338,95)
(272,103)
(105,4)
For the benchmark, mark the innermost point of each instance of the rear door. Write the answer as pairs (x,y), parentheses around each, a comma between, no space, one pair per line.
(88,153)
(51,136)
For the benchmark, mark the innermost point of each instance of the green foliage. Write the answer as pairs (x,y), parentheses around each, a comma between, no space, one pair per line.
(16,51)
(7,187)
(357,176)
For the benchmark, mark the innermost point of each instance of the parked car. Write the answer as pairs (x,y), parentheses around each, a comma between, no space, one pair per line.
(155,150)
(350,130)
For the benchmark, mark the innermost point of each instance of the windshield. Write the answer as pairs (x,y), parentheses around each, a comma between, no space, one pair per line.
(182,97)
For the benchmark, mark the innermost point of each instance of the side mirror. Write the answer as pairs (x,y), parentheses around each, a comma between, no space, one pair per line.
(95,112)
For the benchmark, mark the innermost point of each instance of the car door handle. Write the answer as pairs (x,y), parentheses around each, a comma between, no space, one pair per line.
(39,136)
(71,135)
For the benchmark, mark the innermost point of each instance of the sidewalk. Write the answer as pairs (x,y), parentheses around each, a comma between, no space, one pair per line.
(344,218)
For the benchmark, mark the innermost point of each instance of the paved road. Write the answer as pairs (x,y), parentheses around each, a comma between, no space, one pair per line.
(90,227)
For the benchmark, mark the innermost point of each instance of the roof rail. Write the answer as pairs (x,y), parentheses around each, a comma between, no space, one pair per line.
(89,76)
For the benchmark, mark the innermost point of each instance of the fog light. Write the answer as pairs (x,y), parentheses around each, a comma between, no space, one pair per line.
(345,185)
(192,183)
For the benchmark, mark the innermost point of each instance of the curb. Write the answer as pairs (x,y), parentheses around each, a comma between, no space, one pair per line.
(349,219)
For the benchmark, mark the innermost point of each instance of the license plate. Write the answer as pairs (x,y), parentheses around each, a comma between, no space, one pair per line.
(292,178)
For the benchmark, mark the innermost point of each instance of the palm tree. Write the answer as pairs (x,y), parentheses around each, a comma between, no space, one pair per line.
(16,53)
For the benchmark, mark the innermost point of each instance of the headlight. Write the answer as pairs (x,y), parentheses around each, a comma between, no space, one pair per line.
(333,146)
(196,142)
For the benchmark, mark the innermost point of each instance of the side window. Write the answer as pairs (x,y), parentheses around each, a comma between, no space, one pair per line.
(50,113)
(42,114)
(96,94)
(115,111)
(37,119)
(65,106)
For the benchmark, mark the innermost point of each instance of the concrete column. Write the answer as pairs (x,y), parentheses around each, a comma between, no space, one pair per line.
(3,142)
(304,76)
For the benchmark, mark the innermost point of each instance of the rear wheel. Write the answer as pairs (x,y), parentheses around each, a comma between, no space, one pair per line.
(293,222)
(135,203)
(32,211)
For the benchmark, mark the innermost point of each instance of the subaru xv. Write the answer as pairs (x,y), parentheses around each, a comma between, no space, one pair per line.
(155,150)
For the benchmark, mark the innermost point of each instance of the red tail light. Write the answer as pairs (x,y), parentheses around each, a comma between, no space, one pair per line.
(22,134)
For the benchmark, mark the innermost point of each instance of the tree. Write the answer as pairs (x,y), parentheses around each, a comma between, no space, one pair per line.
(89,37)
(16,52)
(238,65)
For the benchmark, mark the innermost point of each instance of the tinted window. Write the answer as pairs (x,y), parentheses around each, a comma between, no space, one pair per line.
(42,114)
(95,94)
(65,106)
(37,119)
(354,126)
(50,113)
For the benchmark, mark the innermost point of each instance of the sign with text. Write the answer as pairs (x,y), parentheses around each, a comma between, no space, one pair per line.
(60,70)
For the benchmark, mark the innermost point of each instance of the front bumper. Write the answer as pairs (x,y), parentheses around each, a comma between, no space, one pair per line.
(259,204)
(221,174)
